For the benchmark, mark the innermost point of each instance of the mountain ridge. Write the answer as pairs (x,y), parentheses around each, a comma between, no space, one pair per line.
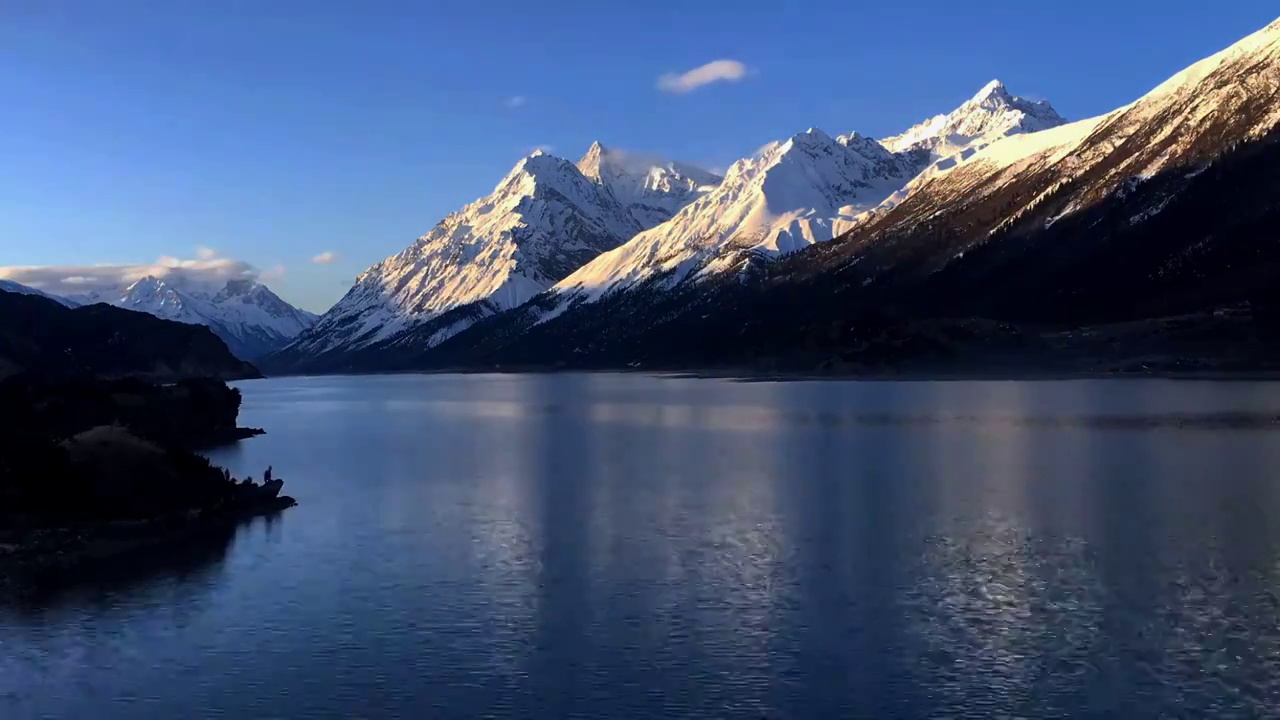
(543,220)
(41,335)
(998,210)
(1157,209)
(10,286)
(649,217)
(798,192)
(246,314)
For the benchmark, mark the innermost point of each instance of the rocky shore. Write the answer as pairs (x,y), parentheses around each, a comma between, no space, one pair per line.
(93,471)
(42,553)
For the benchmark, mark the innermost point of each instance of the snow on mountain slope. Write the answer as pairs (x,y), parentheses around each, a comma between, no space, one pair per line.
(154,296)
(257,316)
(251,319)
(651,189)
(1229,98)
(19,288)
(808,189)
(1162,207)
(790,195)
(545,219)
(988,116)
(992,115)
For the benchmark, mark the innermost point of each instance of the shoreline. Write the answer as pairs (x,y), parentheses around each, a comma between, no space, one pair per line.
(759,375)
(53,554)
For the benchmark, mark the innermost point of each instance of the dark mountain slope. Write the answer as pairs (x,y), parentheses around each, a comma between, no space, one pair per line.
(38,334)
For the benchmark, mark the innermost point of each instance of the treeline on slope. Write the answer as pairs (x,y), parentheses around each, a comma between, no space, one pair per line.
(37,333)
(1199,236)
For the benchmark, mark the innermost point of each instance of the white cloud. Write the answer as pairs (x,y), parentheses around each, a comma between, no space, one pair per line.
(204,253)
(206,271)
(714,71)
(516,101)
(325,258)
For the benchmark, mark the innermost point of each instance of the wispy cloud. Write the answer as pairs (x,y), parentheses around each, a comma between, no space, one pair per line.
(548,149)
(713,72)
(207,269)
(765,148)
(516,101)
(324,258)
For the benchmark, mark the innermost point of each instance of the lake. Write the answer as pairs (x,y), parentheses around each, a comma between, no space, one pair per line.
(626,546)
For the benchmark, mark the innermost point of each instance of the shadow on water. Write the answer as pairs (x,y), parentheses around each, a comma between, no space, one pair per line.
(194,562)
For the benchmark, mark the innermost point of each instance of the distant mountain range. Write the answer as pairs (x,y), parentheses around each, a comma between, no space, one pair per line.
(815,246)
(252,320)
(43,335)
(10,286)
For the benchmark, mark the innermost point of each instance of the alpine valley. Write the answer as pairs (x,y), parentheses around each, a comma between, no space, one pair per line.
(995,238)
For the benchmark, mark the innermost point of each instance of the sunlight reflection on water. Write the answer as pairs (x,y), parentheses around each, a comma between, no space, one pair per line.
(626,546)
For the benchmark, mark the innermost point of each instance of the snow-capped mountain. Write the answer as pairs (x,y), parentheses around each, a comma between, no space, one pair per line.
(250,319)
(545,219)
(791,194)
(805,190)
(1227,100)
(13,287)
(616,219)
(988,116)
(651,189)
(1164,207)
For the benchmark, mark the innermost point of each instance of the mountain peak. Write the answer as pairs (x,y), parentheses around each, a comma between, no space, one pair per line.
(810,138)
(814,132)
(865,146)
(242,286)
(591,163)
(991,114)
(535,168)
(149,283)
(992,91)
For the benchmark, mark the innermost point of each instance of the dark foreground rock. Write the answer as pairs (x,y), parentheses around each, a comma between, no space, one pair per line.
(105,493)
(93,470)
(194,413)
(32,558)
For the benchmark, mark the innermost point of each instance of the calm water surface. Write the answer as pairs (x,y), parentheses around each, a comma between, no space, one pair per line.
(633,547)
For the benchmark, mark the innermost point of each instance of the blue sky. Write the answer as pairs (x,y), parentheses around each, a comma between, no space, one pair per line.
(271,132)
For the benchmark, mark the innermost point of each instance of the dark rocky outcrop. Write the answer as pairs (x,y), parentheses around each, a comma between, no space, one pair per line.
(189,414)
(93,468)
